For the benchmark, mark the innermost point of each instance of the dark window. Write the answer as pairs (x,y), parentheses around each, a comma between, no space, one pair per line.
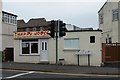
(25,48)
(42,46)
(45,45)
(106,40)
(92,39)
(30,46)
(34,47)
(110,40)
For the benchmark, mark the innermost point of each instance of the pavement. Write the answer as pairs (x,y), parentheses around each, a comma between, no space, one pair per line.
(73,69)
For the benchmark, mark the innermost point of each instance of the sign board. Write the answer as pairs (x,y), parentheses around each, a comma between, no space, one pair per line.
(34,34)
(83,52)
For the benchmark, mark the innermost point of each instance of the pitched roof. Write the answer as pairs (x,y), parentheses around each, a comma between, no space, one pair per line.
(112,1)
(37,22)
(21,23)
(102,6)
(34,22)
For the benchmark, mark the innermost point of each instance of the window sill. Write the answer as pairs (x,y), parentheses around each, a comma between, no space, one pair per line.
(114,20)
(10,23)
(92,42)
(29,54)
(70,49)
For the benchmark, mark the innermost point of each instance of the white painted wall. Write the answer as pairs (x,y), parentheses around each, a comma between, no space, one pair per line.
(67,54)
(7,35)
(70,56)
(108,26)
(119,22)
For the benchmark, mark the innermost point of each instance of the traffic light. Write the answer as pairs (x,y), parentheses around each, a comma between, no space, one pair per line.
(62,29)
(52,29)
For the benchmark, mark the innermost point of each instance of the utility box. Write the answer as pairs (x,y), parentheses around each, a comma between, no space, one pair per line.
(61,61)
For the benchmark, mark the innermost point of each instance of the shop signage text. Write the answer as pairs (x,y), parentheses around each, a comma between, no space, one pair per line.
(31,34)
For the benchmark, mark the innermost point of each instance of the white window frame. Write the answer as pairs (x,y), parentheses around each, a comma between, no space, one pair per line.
(30,47)
(10,18)
(71,47)
(44,45)
(7,18)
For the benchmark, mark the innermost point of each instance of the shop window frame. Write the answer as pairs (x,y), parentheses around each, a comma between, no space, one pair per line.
(30,52)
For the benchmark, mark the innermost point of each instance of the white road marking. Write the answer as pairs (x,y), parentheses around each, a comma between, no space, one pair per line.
(21,74)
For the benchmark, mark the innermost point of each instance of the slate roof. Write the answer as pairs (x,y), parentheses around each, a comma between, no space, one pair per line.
(21,23)
(34,22)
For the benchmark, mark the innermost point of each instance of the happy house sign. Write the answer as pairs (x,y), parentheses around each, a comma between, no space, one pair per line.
(31,34)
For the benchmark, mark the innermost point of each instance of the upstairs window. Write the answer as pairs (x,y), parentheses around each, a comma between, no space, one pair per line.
(34,29)
(7,18)
(27,29)
(92,39)
(101,18)
(115,15)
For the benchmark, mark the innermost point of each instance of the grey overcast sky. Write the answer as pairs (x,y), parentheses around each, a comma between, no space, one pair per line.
(75,12)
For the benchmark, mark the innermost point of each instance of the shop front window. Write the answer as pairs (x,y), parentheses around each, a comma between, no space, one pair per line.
(25,48)
(30,47)
(34,47)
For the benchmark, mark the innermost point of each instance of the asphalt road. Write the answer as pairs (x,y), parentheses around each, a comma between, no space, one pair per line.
(19,74)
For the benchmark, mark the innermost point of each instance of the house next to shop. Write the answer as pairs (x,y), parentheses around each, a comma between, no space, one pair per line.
(109,21)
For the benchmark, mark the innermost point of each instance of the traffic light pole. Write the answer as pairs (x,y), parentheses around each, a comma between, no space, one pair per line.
(57,27)
(56,46)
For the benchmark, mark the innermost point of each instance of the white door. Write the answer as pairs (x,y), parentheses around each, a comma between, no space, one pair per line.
(44,50)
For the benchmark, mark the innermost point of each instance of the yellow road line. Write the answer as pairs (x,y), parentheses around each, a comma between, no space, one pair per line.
(73,74)
(61,73)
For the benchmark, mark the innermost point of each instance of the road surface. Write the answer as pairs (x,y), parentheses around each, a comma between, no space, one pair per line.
(20,74)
